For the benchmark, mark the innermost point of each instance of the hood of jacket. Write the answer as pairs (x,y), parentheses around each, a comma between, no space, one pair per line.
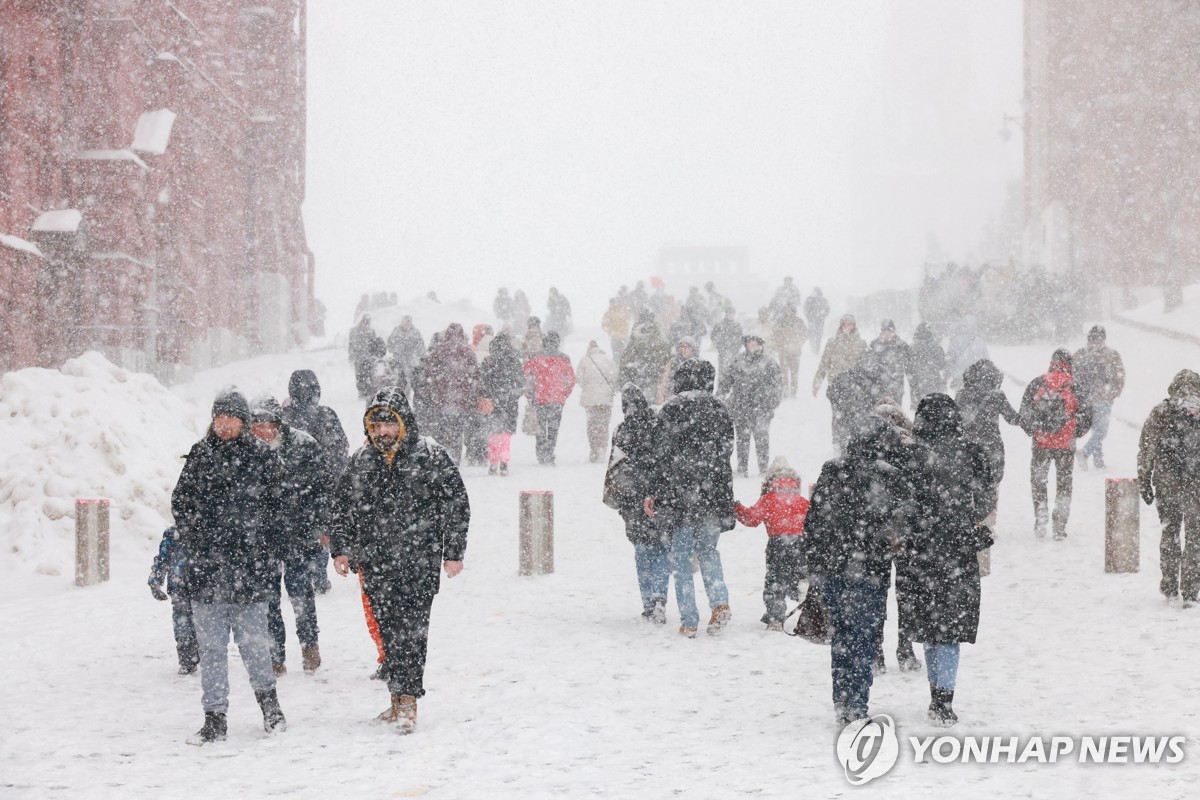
(304,388)
(982,376)
(393,400)
(694,375)
(632,399)
(937,418)
(1185,384)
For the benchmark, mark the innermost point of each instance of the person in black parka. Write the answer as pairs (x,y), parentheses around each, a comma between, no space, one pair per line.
(755,390)
(926,364)
(626,485)
(227,508)
(502,382)
(941,601)
(982,404)
(691,491)
(401,514)
(852,396)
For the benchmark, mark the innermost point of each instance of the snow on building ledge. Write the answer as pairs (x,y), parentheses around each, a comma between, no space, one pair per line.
(17,243)
(153,132)
(113,155)
(63,220)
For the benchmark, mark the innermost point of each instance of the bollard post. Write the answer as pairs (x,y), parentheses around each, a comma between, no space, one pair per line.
(536,556)
(91,542)
(1121,519)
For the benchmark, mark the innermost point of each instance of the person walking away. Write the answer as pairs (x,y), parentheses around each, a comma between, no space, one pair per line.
(558,318)
(1055,417)
(1100,379)
(941,604)
(643,361)
(303,411)
(549,379)
(893,356)
(852,395)
(692,490)
(1169,476)
(502,379)
(816,311)
(533,342)
(782,506)
(476,435)
(756,386)
(627,482)
(616,324)
(502,307)
(982,404)
(168,567)
(521,312)
(401,515)
(361,343)
(926,364)
(841,353)
(226,503)
(787,338)
(597,378)
(452,376)
(304,508)
(406,345)
(727,339)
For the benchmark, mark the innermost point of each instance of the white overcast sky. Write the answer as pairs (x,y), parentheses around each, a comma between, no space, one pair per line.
(460,146)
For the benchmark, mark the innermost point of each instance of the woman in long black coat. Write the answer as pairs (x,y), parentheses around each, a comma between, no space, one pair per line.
(942,598)
(982,404)
(626,486)
(502,379)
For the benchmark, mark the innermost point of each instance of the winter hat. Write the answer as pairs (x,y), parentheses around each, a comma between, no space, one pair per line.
(550,342)
(1097,335)
(632,399)
(780,468)
(267,409)
(937,418)
(887,325)
(1061,361)
(304,387)
(231,403)
(690,342)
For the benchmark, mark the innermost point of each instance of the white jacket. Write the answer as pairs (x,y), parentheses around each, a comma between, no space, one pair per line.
(596,377)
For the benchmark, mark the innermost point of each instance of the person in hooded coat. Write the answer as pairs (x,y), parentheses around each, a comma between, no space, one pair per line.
(1055,417)
(841,353)
(755,390)
(940,605)
(816,311)
(982,404)
(781,506)
(1168,475)
(226,506)
(691,490)
(893,356)
(926,364)
(406,345)
(401,515)
(502,379)
(304,507)
(857,519)
(1100,378)
(645,357)
(452,376)
(852,395)
(627,483)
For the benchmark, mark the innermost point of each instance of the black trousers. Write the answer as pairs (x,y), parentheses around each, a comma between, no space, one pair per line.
(756,428)
(403,618)
(1039,478)
(549,417)
(785,570)
(1179,513)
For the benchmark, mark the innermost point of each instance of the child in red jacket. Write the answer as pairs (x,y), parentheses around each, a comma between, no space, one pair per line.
(783,508)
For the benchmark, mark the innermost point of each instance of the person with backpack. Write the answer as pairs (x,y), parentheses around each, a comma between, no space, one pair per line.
(626,485)
(982,404)
(169,566)
(597,379)
(782,506)
(1168,475)
(549,379)
(1055,417)
(1100,378)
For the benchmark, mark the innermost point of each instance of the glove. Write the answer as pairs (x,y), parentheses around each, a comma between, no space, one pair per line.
(1148,493)
(157,591)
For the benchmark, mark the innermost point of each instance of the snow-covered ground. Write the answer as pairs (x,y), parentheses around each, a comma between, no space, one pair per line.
(552,686)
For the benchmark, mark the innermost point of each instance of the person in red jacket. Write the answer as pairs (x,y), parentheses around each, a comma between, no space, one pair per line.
(783,508)
(549,379)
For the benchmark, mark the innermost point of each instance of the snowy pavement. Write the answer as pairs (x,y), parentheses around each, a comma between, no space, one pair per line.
(553,686)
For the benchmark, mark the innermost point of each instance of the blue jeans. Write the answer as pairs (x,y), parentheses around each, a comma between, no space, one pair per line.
(297,578)
(1101,416)
(856,609)
(653,571)
(941,664)
(248,623)
(704,542)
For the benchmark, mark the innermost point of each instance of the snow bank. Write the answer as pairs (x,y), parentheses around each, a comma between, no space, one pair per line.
(90,429)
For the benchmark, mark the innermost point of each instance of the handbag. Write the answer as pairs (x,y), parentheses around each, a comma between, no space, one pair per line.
(813,624)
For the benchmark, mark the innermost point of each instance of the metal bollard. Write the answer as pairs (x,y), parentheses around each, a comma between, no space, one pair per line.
(91,542)
(1121,519)
(536,555)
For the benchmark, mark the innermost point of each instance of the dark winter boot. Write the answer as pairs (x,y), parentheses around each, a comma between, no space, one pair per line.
(907,658)
(941,712)
(214,729)
(273,721)
(503,468)
(279,668)
(311,655)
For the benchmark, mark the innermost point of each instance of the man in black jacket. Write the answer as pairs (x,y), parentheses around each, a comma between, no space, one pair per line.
(307,479)
(226,504)
(692,489)
(755,389)
(401,513)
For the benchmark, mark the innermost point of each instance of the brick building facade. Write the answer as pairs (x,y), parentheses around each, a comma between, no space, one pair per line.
(151,180)
(1112,139)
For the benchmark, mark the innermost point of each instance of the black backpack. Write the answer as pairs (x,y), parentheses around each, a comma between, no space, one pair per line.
(1050,413)
(1182,442)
